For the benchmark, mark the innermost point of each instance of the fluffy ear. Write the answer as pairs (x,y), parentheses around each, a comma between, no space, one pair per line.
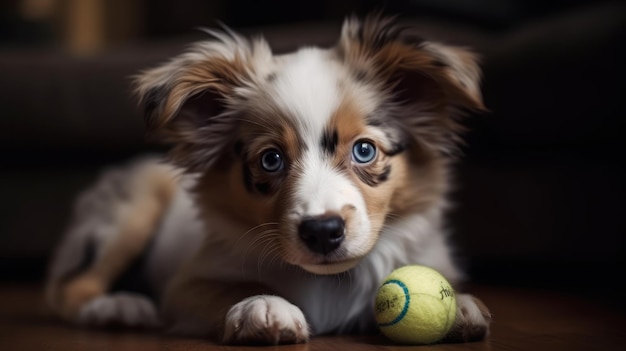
(429,85)
(189,101)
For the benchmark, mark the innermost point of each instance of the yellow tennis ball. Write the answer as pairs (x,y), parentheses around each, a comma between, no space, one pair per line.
(415,305)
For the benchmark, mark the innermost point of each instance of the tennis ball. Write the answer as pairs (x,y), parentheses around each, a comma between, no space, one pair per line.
(415,305)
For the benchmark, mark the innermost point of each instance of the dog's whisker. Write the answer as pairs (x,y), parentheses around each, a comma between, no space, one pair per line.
(265,236)
(255,228)
(261,236)
(270,252)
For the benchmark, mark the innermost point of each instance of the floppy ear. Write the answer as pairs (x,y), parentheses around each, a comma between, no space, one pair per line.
(429,86)
(189,101)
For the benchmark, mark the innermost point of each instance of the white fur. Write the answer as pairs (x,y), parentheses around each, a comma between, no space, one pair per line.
(321,189)
(271,316)
(306,87)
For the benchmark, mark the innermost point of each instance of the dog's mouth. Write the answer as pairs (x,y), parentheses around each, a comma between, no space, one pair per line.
(327,267)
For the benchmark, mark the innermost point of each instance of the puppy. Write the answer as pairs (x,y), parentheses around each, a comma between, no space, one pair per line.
(297,183)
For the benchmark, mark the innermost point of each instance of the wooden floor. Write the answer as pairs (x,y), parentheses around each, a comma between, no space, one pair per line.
(524,320)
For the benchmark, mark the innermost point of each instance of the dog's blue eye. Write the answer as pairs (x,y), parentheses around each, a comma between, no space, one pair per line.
(363,152)
(272,161)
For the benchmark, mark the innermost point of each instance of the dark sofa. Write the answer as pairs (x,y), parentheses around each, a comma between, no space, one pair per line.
(539,196)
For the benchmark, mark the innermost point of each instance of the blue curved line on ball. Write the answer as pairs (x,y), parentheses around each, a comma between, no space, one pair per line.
(405,309)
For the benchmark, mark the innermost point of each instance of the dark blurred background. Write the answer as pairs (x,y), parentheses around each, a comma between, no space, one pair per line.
(540,191)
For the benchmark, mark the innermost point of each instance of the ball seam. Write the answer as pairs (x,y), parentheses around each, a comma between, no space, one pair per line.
(405,308)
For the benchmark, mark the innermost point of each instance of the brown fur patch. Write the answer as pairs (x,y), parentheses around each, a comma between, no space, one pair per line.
(185,102)
(380,47)
(424,185)
(272,134)
(218,75)
(378,180)
(434,84)
(224,192)
(348,124)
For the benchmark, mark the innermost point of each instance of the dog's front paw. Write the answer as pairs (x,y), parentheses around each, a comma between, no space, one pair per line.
(472,320)
(119,309)
(265,319)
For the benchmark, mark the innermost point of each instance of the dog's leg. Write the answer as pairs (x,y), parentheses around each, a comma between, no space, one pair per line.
(233,313)
(472,320)
(147,194)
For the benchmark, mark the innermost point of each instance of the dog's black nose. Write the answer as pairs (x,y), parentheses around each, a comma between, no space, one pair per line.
(322,234)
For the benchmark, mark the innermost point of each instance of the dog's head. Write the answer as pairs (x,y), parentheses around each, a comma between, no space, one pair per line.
(317,149)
